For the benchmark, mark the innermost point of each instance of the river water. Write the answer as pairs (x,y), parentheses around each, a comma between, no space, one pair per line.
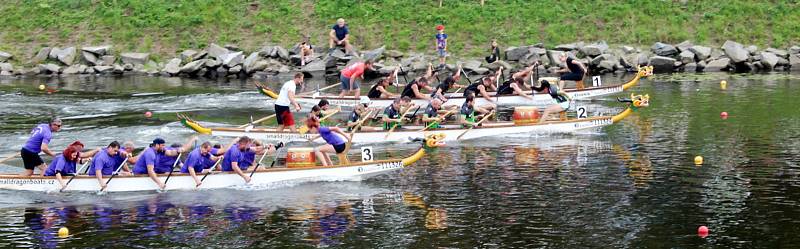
(629,185)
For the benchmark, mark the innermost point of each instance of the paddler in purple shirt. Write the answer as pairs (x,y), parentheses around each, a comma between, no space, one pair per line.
(146,164)
(234,157)
(166,161)
(198,160)
(38,142)
(105,163)
(336,139)
(64,164)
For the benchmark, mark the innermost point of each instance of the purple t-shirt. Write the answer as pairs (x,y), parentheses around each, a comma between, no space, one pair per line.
(40,134)
(248,157)
(148,157)
(165,162)
(232,155)
(60,164)
(104,162)
(197,161)
(441,40)
(330,137)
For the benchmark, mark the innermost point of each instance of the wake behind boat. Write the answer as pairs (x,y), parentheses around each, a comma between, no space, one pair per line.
(216,180)
(452,132)
(539,100)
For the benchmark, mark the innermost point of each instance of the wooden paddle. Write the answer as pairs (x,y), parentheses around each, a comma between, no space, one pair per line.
(395,125)
(114,174)
(76,174)
(358,124)
(476,124)
(172,169)
(12,156)
(219,160)
(321,89)
(257,121)
(440,120)
(262,158)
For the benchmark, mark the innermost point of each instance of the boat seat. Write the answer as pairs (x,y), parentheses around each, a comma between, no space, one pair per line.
(579,84)
(562,116)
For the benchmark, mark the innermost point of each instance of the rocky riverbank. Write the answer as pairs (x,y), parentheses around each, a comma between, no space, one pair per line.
(217,61)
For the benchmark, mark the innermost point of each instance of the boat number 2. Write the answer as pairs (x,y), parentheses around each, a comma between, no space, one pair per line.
(581,112)
(367,154)
(596,81)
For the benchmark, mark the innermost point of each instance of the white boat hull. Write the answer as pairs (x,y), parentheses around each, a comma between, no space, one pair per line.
(213,181)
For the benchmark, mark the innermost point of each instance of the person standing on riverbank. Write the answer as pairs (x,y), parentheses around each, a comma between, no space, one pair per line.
(340,37)
(38,142)
(352,76)
(283,113)
(441,45)
(495,50)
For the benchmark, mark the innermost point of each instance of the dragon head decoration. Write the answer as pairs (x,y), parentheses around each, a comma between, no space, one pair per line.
(640,100)
(434,140)
(645,71)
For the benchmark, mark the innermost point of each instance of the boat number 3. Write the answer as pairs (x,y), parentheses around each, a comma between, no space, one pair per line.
(581,112)
(596,81)
(366,154)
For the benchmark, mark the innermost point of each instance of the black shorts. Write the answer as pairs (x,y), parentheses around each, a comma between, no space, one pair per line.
(280,114)
(505,90)
(572,76)
(339,148)
(30,159)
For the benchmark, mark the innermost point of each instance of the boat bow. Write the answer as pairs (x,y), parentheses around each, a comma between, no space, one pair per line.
(641,72)
(430,142)
(636,102)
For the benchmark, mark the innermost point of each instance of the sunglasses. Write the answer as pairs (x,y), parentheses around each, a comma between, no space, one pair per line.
(57,125)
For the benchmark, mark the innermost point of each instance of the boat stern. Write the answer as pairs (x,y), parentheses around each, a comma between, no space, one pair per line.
(191,124)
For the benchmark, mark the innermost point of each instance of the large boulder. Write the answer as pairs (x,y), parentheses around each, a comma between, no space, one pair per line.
(232,59)
(5,56)
(686,57)
(567,47)
(375,54)
(65,56)
(595,49)
(173,66)
(6,67)
(769,60)
(97,50)
(603,57)
(779,52)
(517,53)
(107,60)
(42,55)
(794,50)
(135,58)
(49,68)
(497,64)
(314,67)
(393,53)
(250,61)
(267,51)
(471,65)
(663,49)
(607,65)
(257,66)
(794,62)
(236,69)
(752,49)
(690,67)
(74,69)
(188,55)
(215,51)
(718,65)
(89,57)
(281,52)
(701,52)
(193,66)
(735,51)
(555,57)
(628,49)
(684,46)
(103,69)
(662,64)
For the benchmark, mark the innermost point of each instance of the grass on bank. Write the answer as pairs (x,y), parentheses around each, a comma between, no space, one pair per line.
(167,27)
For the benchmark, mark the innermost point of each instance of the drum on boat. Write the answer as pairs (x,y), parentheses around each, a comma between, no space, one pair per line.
(526,115)
(300,157)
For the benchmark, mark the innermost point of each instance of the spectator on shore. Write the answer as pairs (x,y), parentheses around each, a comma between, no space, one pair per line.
(340,37)
(495,50)
(306,53)
(441,44)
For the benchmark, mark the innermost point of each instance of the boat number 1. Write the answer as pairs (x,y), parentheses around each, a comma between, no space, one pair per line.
(366,154)
(596,81)
(581,112)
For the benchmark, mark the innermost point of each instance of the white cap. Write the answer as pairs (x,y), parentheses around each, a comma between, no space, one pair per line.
(364,100)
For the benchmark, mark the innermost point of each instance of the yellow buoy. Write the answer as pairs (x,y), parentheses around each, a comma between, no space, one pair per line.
(41,87)
(698,160)
(723,84)
(63,232)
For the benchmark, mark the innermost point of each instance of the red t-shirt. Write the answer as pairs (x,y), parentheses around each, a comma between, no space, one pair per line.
(355,70)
